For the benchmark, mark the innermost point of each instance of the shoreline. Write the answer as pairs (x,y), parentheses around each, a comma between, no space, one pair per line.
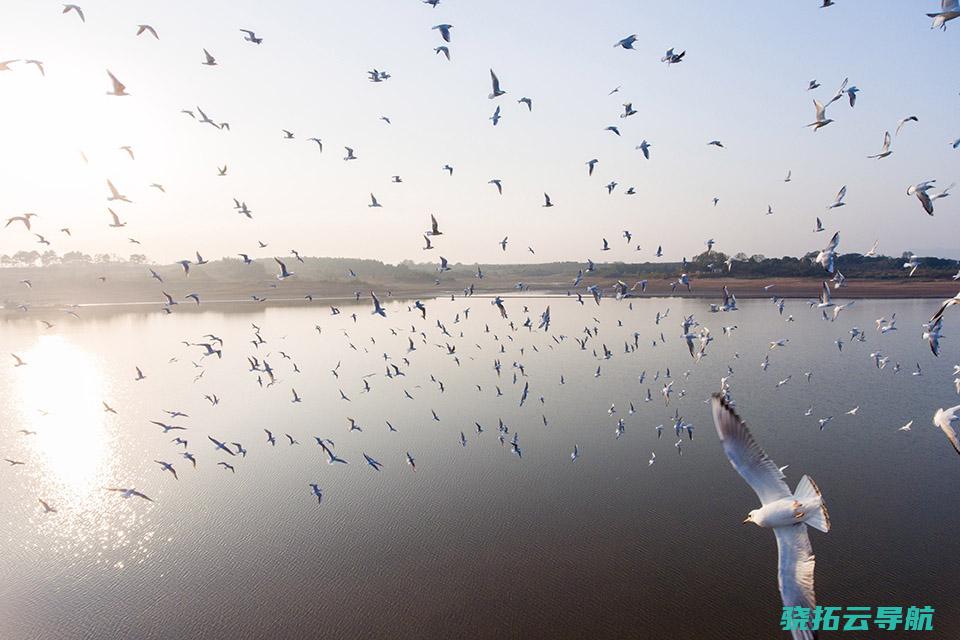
(294,293)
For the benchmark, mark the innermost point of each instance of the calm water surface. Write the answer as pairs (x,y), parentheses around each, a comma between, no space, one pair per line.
(477,542)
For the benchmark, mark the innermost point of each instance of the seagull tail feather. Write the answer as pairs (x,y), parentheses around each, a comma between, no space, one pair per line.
(808,494)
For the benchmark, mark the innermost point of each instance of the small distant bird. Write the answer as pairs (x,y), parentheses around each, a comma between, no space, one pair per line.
(905,121)
(115,195)
(116,224)
(166,466)
(672,58)
(821,116)
(251,37)
(67,8)
(130,493)
(38,64)
(373,463)
(145,27)
(920,190)
(838,200)
(444,30)
(885,150)
(119,89)
(497,91)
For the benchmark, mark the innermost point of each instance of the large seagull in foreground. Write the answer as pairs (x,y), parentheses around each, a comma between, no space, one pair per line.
(786,512)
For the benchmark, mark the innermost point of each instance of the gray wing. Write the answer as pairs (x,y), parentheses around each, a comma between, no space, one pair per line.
(746,456)
(834,242)
(943,307)
(795,573)
(495,81)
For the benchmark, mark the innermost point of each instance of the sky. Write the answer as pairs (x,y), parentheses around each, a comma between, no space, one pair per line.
(743,81)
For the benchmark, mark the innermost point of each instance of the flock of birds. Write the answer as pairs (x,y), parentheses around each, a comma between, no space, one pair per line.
(787,512)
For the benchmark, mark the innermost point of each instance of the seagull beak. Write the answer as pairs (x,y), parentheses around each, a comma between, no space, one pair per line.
(746,520)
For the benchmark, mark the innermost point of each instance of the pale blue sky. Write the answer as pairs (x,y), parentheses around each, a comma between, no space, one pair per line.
(743,81)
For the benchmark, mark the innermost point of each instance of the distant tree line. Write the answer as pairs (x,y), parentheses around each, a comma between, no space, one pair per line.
(359,271)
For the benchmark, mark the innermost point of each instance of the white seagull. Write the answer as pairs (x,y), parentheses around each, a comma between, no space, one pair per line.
(949,420)
(885,151)
(787,513)
(822,119)
(920,190)
(827,255)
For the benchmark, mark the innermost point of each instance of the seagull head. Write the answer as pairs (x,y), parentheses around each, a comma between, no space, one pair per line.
(751,517)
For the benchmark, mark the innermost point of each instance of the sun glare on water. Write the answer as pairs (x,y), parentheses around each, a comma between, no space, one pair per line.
(60,396)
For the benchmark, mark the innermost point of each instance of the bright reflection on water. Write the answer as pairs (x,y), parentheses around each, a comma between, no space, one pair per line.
(477,542)
(70,452)
(60,396)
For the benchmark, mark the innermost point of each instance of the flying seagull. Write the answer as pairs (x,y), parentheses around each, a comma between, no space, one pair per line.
(787,513)
(38,64)
(822,119)
(119,89)
(495,82)
(116,195)
(251,37)
(838,201)
(444,30)
(828,254)
(920,190)
(885,151)
(434,227)
(145,27)
(377,308)
(67,8)
(130,493)
(949,422)
(905,121)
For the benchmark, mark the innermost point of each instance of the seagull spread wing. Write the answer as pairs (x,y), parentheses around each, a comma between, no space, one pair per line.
(834,242)
(747,457)
(796,571)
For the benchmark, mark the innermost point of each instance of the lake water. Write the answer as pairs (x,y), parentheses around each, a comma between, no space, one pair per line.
(478,542)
